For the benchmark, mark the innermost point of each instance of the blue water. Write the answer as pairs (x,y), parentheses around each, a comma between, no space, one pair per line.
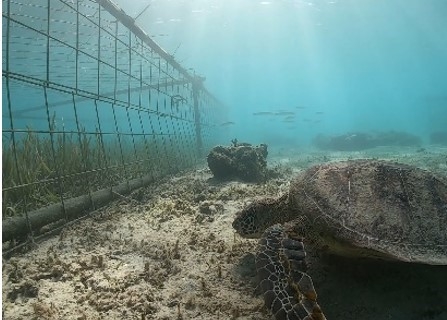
(370,65)
(339,65)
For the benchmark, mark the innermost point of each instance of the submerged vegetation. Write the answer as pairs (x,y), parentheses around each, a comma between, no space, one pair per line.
(40,169)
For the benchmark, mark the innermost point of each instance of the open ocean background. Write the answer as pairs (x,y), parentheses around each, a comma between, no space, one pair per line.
(320,67)
(341,65)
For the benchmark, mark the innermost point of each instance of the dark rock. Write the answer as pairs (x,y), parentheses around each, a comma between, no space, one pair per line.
(356,141)
(396,138)
(239,161)
(345,142)
(209,208)
(27,289)
(200,197)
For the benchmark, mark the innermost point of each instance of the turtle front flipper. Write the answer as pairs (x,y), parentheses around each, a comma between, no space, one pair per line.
(288,291)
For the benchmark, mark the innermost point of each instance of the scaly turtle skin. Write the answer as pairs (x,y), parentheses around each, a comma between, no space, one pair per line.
(288,291)
(355,208)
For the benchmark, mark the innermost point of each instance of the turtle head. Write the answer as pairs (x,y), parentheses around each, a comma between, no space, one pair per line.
(252,221)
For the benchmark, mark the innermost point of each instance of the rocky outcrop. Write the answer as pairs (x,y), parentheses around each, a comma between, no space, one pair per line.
(239,161)
(356,141)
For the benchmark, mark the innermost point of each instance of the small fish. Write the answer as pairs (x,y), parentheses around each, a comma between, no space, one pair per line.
(284,113)
(226,124)
(288,120)
(176,99)
(289,117)
(350,137)
(319,112)
(262,113)
(300,107)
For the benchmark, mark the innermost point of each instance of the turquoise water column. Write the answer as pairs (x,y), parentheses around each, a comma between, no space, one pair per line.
(196,86)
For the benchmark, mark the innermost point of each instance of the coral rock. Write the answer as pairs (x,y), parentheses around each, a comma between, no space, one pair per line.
(239,161)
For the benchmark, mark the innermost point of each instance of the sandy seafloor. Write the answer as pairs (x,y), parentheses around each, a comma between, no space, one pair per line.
(168,251)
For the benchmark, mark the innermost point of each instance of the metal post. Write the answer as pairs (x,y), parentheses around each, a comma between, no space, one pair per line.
(48,43)
(196,85)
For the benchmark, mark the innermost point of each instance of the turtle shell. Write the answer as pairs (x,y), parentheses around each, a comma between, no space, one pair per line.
(376,207)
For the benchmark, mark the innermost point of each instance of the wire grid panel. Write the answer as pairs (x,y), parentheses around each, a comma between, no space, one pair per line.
(87,104)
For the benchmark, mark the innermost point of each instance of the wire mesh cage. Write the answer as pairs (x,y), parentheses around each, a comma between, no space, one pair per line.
(92,108)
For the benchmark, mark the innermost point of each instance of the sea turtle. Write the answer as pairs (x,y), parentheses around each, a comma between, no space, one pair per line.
(370,208)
